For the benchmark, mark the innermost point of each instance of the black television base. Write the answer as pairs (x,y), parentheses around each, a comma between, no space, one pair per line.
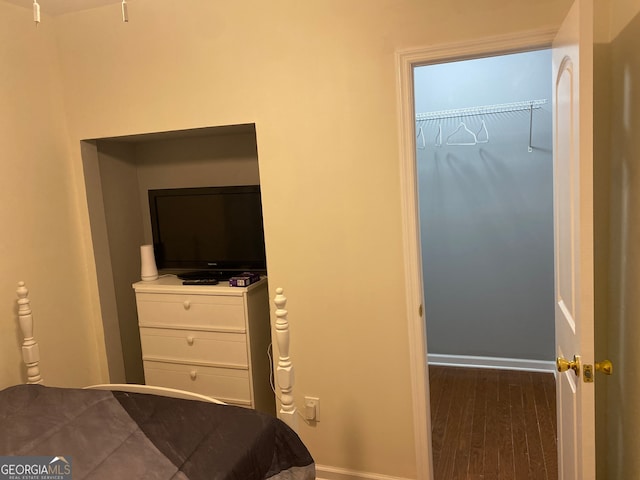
(220,275)
(205,275)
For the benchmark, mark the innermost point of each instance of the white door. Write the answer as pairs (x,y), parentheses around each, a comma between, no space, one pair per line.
(573,217)
(573,205)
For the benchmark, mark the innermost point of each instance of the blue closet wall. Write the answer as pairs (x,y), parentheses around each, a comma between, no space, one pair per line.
(486,210)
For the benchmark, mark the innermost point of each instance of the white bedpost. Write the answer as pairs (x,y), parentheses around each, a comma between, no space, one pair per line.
(284,370)
(30,350)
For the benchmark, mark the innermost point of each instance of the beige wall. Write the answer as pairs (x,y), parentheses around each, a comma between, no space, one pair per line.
(120,261)
(318,80)
(602,232)
(624,329)
(195,161)
(622,11)
(41,241)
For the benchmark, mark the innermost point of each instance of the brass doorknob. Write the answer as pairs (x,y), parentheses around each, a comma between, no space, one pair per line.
(564,365)
(605,367)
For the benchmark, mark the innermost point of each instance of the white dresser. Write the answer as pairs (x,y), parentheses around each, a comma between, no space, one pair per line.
(208,339)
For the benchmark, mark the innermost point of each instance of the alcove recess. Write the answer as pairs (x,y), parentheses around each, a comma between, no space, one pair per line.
(118,172)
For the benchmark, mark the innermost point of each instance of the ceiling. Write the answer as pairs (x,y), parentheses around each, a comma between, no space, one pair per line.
(60,7)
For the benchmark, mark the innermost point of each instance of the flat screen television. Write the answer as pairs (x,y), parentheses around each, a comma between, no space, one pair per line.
(208,232)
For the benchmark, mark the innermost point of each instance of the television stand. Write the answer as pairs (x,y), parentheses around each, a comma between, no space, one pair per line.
(207,339)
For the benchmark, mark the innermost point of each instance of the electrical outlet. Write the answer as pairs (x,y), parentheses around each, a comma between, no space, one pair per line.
(312,409)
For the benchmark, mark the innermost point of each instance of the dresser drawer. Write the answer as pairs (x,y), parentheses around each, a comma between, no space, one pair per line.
(195,311)
(225,384)
(194,346)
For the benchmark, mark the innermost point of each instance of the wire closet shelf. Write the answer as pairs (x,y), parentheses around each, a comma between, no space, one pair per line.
(482,110)
(527,105)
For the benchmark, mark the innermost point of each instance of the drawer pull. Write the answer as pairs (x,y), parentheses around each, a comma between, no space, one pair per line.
(193,374)
(190,340)
(187,304)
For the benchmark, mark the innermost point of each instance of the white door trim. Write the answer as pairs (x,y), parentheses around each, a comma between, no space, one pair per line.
(406,60)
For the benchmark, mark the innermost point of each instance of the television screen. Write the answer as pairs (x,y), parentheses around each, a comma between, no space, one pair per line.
(214,229)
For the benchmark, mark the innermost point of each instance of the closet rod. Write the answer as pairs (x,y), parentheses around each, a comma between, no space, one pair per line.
(485,109)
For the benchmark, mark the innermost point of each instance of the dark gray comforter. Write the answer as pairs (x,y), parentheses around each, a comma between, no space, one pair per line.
(117,435)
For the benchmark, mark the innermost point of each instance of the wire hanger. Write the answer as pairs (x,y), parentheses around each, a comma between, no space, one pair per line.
(483,134)
(439,137)
(420,141)
(472,141)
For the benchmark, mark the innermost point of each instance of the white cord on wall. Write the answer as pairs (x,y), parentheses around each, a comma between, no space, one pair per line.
(125,11)
(273,387)
(36,12)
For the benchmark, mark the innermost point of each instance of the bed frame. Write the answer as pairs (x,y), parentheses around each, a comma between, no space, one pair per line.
(284,369)
(30,349)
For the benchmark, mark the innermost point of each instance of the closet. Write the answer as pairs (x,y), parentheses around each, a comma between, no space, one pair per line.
(118,173)
(485,182)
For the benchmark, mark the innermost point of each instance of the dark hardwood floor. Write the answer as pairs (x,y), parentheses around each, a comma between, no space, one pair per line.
(493,424)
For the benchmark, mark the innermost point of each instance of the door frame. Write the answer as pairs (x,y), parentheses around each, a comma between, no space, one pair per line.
(406,60)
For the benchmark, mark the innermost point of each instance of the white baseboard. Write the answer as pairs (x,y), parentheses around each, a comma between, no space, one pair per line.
(492,362)
(324,472)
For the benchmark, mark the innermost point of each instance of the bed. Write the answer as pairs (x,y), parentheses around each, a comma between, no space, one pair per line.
(136,431)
